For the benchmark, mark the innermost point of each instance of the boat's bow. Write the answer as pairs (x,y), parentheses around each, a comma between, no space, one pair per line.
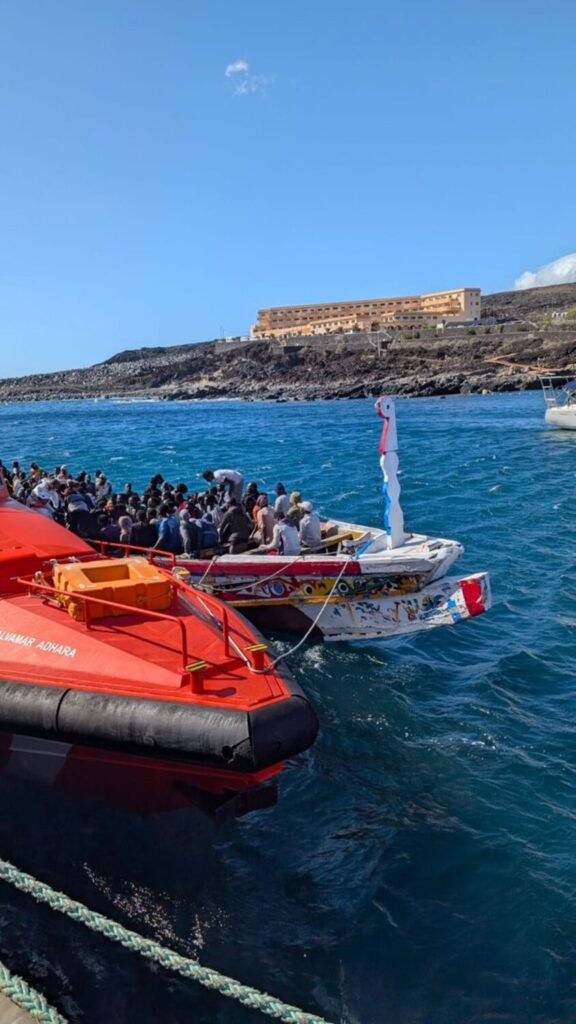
(119,655)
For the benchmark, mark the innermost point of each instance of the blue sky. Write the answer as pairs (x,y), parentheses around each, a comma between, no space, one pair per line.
(369,148)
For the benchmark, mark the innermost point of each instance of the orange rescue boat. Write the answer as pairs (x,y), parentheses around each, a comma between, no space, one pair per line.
(116,663)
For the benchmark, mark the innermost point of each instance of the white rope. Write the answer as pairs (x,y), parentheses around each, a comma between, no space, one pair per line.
(153,951)
(212,562)
(315,621)
(292,650)
(256,582)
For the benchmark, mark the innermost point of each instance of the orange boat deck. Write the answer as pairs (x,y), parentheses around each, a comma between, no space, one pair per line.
(122,662)
(106,650)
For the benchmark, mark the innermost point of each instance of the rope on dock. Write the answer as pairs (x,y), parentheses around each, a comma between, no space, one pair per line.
(24,996)
(168,958)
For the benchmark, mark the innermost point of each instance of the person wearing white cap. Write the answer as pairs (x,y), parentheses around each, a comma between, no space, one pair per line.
(310,529)
(50,486)
(103,487)
(39,500)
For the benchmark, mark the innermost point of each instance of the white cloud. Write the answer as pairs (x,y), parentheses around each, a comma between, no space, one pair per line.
(236,68)
(252,83)
(243,82)
(561,271)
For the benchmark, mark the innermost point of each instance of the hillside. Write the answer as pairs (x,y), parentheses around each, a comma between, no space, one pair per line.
(532,304)
(503,356)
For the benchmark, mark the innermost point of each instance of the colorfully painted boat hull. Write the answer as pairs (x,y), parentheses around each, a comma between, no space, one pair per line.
(374,592)
(448,602)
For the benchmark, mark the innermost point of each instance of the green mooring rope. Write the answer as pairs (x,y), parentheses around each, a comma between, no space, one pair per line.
(24,996)
(205,976)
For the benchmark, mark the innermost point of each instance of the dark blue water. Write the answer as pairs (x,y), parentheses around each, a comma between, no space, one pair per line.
(419,867)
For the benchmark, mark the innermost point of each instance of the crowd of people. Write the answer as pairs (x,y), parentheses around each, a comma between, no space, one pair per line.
(225,517)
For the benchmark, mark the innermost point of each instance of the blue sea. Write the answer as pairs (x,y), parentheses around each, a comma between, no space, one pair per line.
(419,867)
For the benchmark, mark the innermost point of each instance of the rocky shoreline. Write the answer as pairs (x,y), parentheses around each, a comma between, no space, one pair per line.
(487,357)
(258,372)
(30,389)
(269,380)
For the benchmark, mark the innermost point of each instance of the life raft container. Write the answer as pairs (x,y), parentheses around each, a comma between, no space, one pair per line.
(131,582)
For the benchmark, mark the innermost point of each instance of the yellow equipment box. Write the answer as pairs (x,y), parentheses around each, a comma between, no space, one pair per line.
(132,582)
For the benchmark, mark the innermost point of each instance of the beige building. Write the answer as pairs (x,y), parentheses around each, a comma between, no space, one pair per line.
(459,304)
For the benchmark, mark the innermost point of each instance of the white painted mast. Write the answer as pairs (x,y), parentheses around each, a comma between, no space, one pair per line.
(393,515)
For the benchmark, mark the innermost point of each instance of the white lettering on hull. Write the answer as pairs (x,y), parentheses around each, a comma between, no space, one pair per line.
(17,638)
(43,645)
(66,652)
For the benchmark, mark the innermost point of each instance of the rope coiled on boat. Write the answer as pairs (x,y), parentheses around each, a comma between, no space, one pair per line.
(167,958)
(23,995)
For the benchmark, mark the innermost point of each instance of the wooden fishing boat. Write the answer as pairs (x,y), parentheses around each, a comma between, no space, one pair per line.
(349,594)
(360,582)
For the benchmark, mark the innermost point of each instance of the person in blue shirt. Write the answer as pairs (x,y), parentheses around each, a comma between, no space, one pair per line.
(168,530)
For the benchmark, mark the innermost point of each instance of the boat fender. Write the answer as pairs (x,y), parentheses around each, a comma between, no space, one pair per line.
(230,738)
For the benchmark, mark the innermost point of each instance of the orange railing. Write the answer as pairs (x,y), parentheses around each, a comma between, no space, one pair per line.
(87,600)
(104,545)
(209,603)
(214,606)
